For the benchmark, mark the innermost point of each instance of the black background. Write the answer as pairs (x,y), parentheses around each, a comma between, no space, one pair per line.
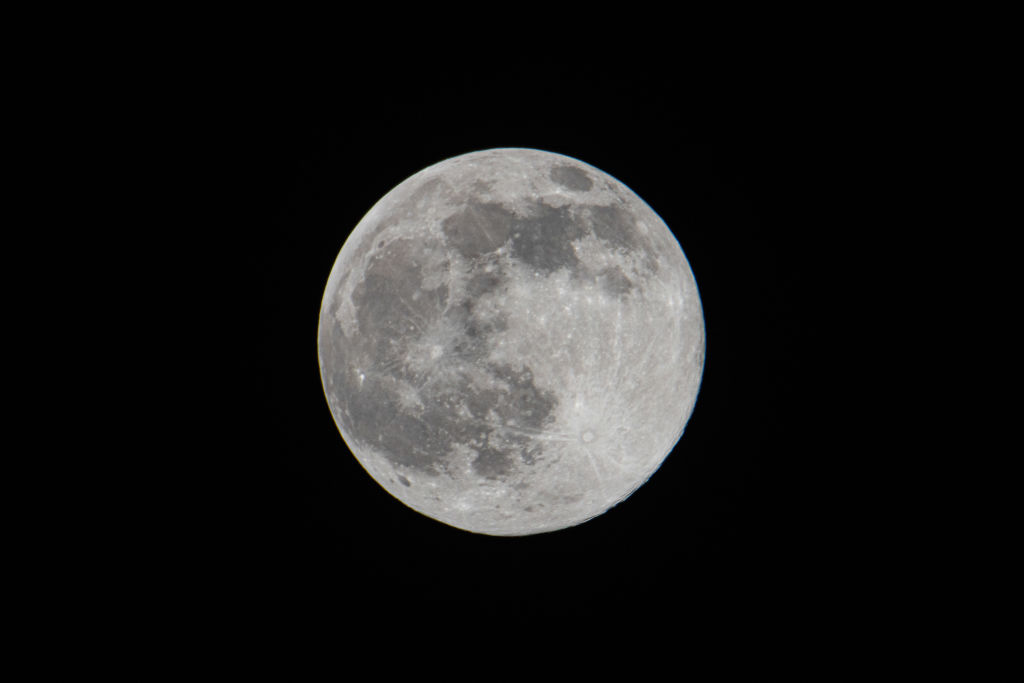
(794,172)
(738,524)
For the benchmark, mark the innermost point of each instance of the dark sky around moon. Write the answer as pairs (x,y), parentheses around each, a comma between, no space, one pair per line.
(733,515)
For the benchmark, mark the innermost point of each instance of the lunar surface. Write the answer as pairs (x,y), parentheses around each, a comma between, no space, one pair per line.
(511,342)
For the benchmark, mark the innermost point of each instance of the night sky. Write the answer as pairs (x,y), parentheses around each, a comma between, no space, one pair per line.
(736,524)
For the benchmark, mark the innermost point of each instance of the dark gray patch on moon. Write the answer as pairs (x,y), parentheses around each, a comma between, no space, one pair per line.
(614,281)
(571,178)
(394,313)
(377,418)
(391,298)
(516,403)
(543,240)
(485,279)
(613,225)
(492,463)
(479,228)
(617,228)
(523,404)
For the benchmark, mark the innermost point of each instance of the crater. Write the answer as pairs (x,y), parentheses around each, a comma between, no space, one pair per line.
(571,178)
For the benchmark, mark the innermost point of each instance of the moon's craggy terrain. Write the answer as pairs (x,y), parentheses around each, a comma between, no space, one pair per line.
(511,341)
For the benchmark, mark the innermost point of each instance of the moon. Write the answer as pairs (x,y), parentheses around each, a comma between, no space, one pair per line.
(511,342)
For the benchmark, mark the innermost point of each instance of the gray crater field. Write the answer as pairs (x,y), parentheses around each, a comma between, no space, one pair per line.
(511,342)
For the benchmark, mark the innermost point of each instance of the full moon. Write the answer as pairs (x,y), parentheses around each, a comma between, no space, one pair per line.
(511,342)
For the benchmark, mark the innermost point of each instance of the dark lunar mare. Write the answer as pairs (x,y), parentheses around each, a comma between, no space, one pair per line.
(393,312)
(541,239)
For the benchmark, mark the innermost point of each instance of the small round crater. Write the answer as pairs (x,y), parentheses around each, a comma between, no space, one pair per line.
(587,436)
